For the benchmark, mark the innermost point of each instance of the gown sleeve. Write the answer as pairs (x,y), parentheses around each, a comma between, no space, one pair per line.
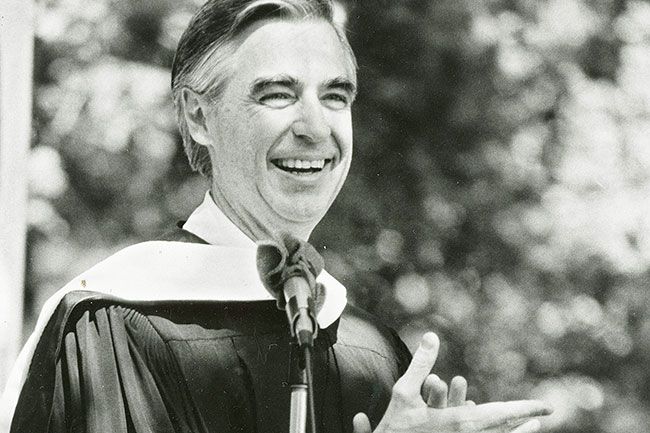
(102,367)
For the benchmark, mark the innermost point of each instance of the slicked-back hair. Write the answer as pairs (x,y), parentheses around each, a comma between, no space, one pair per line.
(200,63)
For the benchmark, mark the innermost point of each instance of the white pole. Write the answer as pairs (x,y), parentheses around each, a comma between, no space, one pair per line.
(16,64)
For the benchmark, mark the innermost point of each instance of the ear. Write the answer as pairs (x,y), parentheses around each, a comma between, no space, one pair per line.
(195,111)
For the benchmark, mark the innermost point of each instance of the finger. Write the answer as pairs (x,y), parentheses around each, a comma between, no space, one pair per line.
(427,386)
(434,392)
(457,391)
(531,426)
(421,365)
(438,393)
(361,423)
(496,414)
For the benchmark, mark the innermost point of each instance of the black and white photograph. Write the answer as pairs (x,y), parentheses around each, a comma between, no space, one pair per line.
(325,216)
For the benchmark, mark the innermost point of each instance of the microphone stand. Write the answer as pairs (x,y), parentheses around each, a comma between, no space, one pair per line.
(304,328)
(302,395)
(288,270)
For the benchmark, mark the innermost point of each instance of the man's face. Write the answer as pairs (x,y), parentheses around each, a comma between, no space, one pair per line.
(281,131)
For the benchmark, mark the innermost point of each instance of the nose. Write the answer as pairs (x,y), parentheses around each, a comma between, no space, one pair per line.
(312,125)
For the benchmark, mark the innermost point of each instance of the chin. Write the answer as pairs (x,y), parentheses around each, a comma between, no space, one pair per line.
(303,212)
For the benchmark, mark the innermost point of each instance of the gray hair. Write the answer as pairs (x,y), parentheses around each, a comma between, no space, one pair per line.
(200,60)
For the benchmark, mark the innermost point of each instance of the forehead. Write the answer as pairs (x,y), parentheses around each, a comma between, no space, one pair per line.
(309,50)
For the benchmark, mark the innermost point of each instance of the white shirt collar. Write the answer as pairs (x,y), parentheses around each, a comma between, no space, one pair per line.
(210,224)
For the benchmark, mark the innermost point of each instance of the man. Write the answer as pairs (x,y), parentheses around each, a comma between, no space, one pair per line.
(179,335)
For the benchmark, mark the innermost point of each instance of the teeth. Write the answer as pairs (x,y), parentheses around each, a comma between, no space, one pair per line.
(301,163)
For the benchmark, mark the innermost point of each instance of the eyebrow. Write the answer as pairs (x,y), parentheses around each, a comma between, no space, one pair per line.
(342,83)
(262,83)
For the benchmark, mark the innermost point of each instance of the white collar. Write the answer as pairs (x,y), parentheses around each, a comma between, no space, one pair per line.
(213,226)
(210,224)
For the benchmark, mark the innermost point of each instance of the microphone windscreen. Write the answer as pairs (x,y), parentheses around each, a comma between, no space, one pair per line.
(271,259)
(279,260)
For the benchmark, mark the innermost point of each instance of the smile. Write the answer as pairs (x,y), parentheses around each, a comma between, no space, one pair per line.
(301,166)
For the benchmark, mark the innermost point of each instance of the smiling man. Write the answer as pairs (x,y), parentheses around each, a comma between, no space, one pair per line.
(280,135)
(279,130)
(180,335)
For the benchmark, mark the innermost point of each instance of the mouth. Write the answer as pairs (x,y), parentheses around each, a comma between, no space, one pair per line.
(301,166)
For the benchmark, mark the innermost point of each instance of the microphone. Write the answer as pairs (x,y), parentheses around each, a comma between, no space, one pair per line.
(288,269)
(300,310)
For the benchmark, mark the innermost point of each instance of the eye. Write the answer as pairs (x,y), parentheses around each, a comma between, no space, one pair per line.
(336,101)
(277,99)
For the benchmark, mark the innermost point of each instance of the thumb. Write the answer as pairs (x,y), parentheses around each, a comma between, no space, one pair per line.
(361,423)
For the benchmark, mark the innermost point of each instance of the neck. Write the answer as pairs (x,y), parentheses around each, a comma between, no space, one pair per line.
(258,227)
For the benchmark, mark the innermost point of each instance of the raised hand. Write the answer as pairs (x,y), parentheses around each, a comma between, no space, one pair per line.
(409,412)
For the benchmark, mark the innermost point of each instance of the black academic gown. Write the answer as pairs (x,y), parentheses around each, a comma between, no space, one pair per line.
(106,365)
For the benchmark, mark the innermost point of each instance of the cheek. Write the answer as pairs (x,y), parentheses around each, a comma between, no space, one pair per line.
(342,130)
(235,143)
(272,123)
(268,129)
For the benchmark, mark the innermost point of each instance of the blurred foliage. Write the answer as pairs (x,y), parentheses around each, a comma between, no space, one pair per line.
(500,192)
